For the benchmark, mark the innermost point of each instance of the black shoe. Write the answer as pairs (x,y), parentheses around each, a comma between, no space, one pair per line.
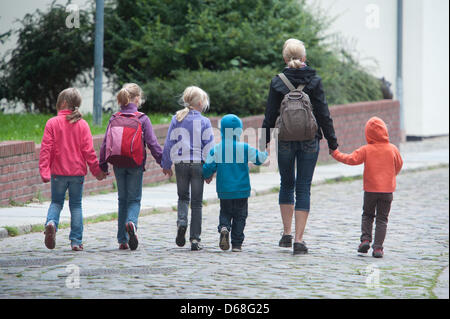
(195,245)
(236,248)
(364,247)
(285,241)
(224,242)
(180,240)
(300,248)
(131,230)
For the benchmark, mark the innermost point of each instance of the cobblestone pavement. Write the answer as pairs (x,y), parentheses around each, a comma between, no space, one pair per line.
(416,253)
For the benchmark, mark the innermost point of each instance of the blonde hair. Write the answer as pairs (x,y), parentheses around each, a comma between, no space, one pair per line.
(72,97)
(293,52)
(128,92)
(192,96)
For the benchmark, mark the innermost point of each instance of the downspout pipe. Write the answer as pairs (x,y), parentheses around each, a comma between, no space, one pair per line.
(399,80)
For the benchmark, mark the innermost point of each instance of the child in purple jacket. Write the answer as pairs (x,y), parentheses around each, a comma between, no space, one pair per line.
(129,179)
(188,141)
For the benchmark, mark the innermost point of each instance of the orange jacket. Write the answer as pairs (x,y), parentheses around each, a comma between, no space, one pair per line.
(382,160)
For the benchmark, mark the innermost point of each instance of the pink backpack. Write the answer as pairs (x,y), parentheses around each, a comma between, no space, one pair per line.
(124,140)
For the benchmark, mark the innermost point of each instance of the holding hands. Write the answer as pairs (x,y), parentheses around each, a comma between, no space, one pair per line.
(168,172)
(101,176)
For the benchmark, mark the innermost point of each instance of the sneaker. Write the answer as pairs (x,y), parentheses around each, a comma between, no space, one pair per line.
(236,248)
(300,248)
(77,247)
(180,240)
(50,235)
(285,241)
(195,245)
(364,247)
(131,230)
(378,253)
(123,246)
(224,242)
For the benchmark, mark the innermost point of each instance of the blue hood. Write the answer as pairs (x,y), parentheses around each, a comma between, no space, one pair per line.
(231,121)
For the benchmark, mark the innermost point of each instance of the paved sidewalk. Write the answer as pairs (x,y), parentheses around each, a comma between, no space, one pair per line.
(414,264)
(416,155)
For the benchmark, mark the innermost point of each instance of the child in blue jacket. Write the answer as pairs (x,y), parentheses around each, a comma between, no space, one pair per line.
(230,160)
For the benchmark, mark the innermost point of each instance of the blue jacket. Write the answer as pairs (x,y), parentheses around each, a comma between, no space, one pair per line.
(230,160)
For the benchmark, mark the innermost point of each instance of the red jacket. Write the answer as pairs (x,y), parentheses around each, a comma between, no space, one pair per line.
(382,160)
(66,148)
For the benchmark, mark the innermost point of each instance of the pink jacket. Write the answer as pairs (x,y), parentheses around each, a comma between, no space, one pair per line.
(66,148)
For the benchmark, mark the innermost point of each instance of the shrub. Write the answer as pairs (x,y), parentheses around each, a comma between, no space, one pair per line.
(245,91)
(238,91)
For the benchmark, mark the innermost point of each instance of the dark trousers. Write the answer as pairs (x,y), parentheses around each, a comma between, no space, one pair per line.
(189,177)
(233,215)
(376,205)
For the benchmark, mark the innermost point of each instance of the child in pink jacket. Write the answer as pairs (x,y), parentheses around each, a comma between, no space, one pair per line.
(65,149)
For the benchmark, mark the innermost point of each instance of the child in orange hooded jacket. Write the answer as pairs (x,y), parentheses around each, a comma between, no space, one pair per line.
(382,163)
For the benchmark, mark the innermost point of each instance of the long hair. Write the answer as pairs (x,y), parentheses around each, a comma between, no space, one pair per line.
(73,99)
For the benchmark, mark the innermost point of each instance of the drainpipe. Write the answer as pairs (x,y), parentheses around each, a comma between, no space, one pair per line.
(399,80)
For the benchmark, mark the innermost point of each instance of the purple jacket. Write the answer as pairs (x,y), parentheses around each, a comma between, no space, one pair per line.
(149,139)
(188,140)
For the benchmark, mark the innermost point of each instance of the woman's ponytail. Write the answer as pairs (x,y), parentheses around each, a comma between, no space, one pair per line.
(296,63)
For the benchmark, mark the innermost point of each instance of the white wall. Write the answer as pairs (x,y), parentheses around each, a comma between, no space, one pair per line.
(10,11)
(425,53)
(435,68)
(370,26)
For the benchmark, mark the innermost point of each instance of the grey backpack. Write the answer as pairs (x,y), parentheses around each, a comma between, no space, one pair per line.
(296,121)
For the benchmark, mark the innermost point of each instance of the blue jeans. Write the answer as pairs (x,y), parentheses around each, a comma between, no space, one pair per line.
(189,175)
(59,186)
(129,186)
(305,155)
(233,216)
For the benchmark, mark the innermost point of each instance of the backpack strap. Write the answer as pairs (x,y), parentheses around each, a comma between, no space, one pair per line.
(286,82)
(289,84)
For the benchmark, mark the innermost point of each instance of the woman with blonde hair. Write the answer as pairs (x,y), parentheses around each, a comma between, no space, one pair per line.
(301,153)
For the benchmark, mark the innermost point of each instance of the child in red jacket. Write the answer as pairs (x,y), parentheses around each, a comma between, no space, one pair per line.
(65,149)
(382,163)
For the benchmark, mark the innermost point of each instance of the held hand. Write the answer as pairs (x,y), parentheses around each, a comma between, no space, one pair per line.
(208,180)
(330,151)
(168,172)
(101,176)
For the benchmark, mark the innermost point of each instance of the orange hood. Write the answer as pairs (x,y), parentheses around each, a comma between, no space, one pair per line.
(376,131)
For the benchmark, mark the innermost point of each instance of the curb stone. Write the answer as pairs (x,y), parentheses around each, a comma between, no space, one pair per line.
(3,233)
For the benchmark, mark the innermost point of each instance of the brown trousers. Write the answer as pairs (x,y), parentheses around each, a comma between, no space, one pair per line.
(381,204)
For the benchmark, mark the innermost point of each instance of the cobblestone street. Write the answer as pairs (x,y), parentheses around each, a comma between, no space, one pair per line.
(416,253)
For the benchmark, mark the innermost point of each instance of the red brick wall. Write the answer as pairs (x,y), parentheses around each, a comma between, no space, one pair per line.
(19,172)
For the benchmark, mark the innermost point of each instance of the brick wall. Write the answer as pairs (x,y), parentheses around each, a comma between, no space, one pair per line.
(19,173)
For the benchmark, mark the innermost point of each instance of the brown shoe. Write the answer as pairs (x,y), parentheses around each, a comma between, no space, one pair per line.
(50,235)
(123,246)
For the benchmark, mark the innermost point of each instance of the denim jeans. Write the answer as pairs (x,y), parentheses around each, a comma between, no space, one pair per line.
(59,186)
(129,187)
(190,175)
(233,215)
(304,155)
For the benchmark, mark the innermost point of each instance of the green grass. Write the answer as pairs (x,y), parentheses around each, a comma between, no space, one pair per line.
(12,231)
(30,127)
